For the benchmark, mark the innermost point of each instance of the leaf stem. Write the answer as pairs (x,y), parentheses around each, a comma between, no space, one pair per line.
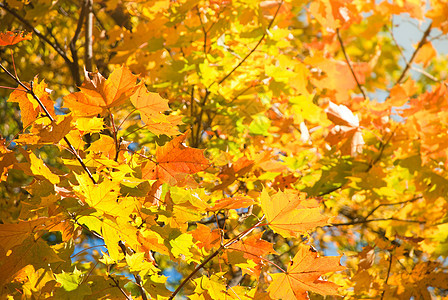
(422,42)
(47,114)
(374,220)
(253,49)
(119,287)
(137,277)
(388,274)
(55,45)
(222,247)
(349,64)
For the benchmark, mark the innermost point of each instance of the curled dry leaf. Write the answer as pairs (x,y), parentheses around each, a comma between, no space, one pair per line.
(346,128)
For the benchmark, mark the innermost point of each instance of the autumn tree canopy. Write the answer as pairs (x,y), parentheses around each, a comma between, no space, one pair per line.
(223,149)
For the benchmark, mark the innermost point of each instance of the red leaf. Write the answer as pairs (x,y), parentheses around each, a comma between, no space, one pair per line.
(174,161)
(13,37)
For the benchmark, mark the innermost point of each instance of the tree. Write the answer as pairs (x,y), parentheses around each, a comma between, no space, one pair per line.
(222,149)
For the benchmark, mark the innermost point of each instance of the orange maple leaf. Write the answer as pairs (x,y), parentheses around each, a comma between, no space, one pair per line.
(98,94)
(206,239)
(232,171)
(13,37)
(231,203)
(304,274)
(253,248)
(29,107)
(151,107)
(174,161)
(290,214)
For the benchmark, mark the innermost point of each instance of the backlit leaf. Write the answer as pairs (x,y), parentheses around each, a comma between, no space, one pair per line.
(290,213)
(304,274)
(174,161)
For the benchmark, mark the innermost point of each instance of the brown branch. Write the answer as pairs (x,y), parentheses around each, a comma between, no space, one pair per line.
(388,274)
(349,64)
(392,204)
(137,277)
(422,42)
(54,45)
(382,147)
(184,282)
(119,287)
(88,59)
(253,49)
(73,49)
(374,220)
(192,112)
(214,254)
(395,41)
(199,120)
(203,30)
(30,91)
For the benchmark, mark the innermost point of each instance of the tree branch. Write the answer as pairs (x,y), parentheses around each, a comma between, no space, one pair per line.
(382,147)
(392,204)
(203,30)
(119,287)
(88,59)
(374,220)
(388,274)
(54,45)
(253,49)
(73,49)
(236,239)
(422,42)
(47,114)
(349,64)
(137,277)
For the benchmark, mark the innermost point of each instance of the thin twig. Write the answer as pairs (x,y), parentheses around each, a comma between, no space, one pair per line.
(203,30)
(214,254)
(192,114)
(119,287)
(422,42)
(388,274)
(47,114)
(392,204)
(199,120)
(374,220)
(253,49)
(54,45)
(382,147)
(137,277)
(349,64)
(396,43)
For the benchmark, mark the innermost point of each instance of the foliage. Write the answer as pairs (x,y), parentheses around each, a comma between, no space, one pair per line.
(222,149)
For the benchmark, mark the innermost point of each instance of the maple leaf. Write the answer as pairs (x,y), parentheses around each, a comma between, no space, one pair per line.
(29,107)
(290,214)
(231,203)
(36,166)
(14,234)
(426,54)
(151,107)
(232,171)
(347,128)
(7,160)
(174,161)
(206,238)
(98,94)
(253,248)
(303,274)
(13,37)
